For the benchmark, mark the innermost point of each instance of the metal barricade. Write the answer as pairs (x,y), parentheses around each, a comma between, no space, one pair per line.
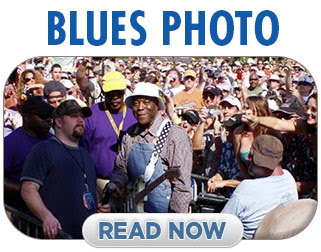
(30,225)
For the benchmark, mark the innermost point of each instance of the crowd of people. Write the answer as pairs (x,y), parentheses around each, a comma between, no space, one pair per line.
(76,126)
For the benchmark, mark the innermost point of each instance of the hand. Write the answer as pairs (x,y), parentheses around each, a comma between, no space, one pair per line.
(104,208)
(215,184)
(50,226)
(203,114)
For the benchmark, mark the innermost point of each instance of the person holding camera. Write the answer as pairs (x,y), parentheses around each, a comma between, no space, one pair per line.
(207,140)
(173,82)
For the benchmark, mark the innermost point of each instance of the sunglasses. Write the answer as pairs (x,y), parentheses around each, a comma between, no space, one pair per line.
(253,79)
(44,115)
(205,96)
(189,120)
(313,109)
(189,78)
(29,79)
(303,83)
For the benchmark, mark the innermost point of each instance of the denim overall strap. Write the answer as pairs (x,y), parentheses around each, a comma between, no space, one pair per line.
(139,156)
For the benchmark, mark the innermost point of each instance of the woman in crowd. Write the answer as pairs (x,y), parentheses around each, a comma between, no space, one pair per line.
(302,125)
(30,84)
(244,135)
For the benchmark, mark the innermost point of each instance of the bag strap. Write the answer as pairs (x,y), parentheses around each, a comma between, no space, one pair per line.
(162,134)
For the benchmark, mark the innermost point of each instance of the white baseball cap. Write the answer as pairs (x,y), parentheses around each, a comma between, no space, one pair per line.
(233,101)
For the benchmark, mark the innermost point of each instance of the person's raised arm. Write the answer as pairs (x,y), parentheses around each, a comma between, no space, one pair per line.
(292,125)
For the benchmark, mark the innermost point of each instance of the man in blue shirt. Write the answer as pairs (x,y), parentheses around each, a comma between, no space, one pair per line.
(58,182)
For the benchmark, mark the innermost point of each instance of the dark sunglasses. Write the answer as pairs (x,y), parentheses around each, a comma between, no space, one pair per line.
(189,78)
(205,96)
(303,83)
(253,79)
(44,115)
(29,79)
(188,119)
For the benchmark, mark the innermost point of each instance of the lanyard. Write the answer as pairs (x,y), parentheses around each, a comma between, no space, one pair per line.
(112,122)
(82,167)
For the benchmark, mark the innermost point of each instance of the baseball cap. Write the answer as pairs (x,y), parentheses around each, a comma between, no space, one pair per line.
(233,101)
(37,104)
(274,77)
(192,115)
(54,86)
(290,109)
(148,90)
(267,151)
(234,121)
(113,80)
(260,73)
(70,107)
(67,83)
(305,79)
(212,90)
(190,73)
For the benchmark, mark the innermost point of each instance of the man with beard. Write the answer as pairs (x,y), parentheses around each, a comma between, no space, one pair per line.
(58,182)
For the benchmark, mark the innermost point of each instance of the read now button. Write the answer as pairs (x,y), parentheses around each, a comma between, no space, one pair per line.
(162,230)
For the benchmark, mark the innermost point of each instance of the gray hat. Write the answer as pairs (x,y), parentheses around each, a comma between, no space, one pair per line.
(54,86)
(267,151)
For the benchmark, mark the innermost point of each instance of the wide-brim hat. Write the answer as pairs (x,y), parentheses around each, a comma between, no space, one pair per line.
(148,90)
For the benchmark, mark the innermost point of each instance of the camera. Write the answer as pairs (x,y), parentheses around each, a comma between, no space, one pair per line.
(28,91)
(213,112)
(172,77)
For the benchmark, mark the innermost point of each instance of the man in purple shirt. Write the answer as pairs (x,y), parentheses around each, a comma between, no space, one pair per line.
(107,125)
(37,116)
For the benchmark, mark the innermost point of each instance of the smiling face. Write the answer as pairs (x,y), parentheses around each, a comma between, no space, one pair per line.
(145,110)
(312,111)
(114,100)
(228,110)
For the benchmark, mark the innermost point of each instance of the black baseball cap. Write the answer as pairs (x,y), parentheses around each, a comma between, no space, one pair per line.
(192,115)
(37,104)
(212,90)
(70,107)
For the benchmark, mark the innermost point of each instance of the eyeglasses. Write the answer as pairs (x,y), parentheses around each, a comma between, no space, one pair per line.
(29,79)
(253,79)
(313,109)
(189,78)
(303,83)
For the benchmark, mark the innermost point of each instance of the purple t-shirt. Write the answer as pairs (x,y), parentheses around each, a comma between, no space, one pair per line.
(17,146)
(100,139)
